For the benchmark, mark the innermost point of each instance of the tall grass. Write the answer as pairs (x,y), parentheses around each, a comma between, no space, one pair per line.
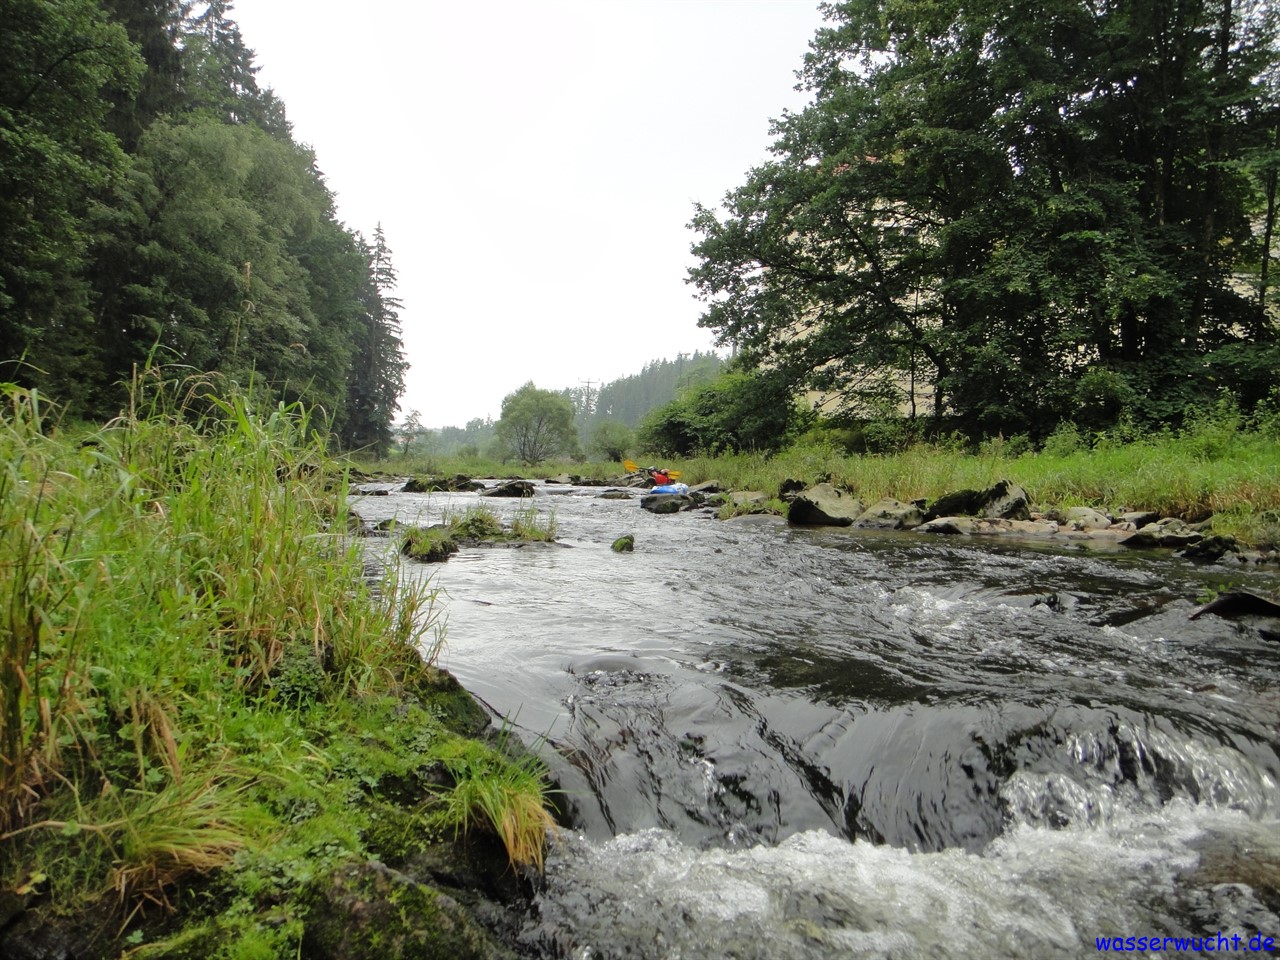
(1218,466)
(189,651)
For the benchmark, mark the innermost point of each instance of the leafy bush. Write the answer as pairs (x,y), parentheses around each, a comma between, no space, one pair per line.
(736,412)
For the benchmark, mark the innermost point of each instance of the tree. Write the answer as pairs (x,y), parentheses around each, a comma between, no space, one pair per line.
(59,64)
(376,377)
(410,430)
(995,199)
(535,424)
(736,412)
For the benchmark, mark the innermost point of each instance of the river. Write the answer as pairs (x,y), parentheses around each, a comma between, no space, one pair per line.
(780,742)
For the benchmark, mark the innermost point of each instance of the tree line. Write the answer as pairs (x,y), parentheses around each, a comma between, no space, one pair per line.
(600,421)
(155,209)
(1000,216)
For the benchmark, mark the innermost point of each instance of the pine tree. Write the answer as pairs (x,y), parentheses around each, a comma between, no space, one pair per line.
(378,367)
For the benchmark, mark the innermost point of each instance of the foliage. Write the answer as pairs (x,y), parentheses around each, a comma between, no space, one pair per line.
(1220,465)
(438,543)
(611,440)
(530,526)
(476,523)
(536,424)
(736,411)
(627,399)
(1004,211)
(154,203)
(56,156)
(378,366)
(197,681)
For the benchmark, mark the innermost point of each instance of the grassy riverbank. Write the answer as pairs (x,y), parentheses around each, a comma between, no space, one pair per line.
(207,711)
(1219,466)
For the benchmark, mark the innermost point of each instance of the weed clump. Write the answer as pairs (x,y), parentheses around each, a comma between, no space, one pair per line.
(429,544)
(199,688)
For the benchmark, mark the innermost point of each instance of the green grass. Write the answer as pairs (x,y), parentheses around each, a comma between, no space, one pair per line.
(510,796)
(1228,473)
(199,691)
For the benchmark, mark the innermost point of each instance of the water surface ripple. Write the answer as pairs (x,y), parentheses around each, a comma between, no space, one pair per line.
(812,742)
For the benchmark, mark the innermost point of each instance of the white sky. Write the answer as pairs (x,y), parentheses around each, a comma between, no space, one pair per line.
(534,166)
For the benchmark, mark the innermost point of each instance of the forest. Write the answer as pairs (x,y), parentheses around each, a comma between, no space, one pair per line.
(156,210)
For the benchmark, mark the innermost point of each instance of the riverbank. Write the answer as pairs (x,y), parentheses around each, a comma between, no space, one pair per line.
(1219,469)
(222,734)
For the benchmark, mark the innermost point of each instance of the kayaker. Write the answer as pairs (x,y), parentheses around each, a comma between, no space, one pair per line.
(660,478)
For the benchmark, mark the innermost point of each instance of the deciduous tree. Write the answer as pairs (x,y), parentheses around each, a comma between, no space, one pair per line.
(536,424)
(995,199)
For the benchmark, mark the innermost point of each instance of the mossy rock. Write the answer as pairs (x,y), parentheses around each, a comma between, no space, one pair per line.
(430,545)
(370,910)
(447,699)
(625,544)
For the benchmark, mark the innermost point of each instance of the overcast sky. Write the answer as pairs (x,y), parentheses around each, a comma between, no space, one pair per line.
(534,165)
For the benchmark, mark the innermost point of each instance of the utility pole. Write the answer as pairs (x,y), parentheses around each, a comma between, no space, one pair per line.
(589,397)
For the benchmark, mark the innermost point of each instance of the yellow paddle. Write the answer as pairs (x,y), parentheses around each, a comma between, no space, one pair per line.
(631,467)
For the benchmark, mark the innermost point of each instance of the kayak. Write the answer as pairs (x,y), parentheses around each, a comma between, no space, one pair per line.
(680,488)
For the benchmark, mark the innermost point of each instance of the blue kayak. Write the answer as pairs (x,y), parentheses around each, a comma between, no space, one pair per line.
(680,488)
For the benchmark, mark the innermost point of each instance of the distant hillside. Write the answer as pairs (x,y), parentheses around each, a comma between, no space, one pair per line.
(625,400)
(628,399)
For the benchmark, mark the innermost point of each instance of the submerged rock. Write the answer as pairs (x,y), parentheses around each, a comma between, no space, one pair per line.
(662,503)
(511,488)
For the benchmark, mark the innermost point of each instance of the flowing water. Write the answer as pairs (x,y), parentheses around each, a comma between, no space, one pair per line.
(790,742)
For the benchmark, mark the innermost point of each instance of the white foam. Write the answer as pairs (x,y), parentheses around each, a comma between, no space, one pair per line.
(1033,892)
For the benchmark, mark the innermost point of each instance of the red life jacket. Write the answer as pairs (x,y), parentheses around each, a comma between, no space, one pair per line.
(660,478)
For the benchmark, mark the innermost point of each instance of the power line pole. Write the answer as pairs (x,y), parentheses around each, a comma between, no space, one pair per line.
(589,397)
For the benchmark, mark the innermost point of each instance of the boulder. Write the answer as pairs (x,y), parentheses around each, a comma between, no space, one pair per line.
(1086,518)
(824,505)
(790,488)
(511,488)
(1139,518)
(1005,501)
(1211,549)
(662,503)
(1167,533)
(890,514)
(625,544)
(955,526)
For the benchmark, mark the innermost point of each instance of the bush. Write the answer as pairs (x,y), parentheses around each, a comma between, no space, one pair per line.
(611,441)
(736,412)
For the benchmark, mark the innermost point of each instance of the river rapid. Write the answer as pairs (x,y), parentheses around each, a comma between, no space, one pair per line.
(781,742)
